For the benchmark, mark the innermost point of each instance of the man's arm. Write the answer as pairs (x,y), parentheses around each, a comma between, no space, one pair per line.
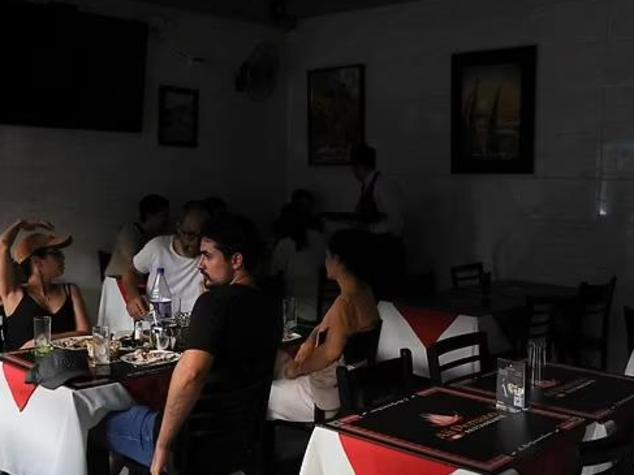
(186,384)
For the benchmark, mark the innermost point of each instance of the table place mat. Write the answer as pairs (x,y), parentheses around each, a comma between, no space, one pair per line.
(580,392)
(457,427)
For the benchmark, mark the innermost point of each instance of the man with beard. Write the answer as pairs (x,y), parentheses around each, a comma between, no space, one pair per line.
(177,254)
(232,341)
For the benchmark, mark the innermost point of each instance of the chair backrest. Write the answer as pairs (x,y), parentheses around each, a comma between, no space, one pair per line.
(541,311)
(628,313)
(464,359)
(466,274)
(365,386)
(595,303)
(2,321)
(224,432)
(327,292)
(611,455)
(362,346)
(103,258)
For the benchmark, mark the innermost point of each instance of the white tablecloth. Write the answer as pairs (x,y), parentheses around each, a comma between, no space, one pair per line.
(49,436)
(112,309)
(396,333)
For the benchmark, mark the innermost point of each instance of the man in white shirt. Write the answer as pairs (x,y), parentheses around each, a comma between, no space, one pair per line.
(178,255)
(378,206)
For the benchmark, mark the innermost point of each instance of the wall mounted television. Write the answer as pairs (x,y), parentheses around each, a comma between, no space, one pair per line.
(69,69)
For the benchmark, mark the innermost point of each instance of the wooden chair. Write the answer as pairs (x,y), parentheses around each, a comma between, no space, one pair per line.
(466,274)
(628,313)
(223,434)
(327,292)
(594,303)
(365,386)
(468,342)
(103,258)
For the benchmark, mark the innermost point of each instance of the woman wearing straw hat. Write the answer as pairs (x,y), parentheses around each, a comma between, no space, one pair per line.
(41,260)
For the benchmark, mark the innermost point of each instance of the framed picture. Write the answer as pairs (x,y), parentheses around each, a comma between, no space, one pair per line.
(336,113)
(178,116)
(493,111)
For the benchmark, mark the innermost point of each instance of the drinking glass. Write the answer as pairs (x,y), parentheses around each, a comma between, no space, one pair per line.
(101,344)
(42,334)
(536,359)
(289,311)
(162,338)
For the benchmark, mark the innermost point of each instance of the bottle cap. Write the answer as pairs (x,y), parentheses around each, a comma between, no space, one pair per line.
(160,270)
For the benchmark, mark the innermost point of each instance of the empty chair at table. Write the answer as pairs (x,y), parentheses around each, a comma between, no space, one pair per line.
(586,339)
(541,312)
(456,357)
(466,274)
(363,386)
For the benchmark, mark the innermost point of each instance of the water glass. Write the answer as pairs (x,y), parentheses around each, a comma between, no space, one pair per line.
(42,334)
(289,311)
(161,337)
(101,345)
(536,359)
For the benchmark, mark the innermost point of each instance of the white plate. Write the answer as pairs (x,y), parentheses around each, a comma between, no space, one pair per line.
(74,343)
(150,357)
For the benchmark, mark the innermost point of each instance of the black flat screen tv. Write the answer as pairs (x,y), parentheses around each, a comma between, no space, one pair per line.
(64,68)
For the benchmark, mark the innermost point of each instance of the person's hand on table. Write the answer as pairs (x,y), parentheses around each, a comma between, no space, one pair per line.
(137,307)
(160,460)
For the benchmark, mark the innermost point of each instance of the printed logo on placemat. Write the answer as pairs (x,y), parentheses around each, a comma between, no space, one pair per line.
(454,428)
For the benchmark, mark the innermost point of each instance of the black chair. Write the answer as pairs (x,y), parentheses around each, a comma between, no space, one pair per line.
(466,274)
(594,303)
(467,341)
(362,346)
(103,258)
(360,350)
(615,452)
(541,312)
(223,434)
(327,292)
(364,386)
(2,322)
(628,313)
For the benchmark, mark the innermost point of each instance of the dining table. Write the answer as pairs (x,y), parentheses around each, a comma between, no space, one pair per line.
(45,431)
(499,310)
(442,431)
(604,400)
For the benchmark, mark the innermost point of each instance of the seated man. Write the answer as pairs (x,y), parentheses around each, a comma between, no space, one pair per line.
(233,338)
(153,220)
(178,255)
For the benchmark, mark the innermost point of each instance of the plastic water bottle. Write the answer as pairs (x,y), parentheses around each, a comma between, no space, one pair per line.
(160,296)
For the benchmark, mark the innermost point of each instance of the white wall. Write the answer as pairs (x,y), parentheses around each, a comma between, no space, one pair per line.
(543,226)
(88,183)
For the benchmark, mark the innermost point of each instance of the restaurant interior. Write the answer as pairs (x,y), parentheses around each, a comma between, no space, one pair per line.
(503,134)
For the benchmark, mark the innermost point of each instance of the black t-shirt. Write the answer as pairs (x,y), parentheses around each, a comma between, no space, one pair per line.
(241,328)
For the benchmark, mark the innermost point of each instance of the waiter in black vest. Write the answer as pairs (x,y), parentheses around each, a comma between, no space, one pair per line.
(378,209)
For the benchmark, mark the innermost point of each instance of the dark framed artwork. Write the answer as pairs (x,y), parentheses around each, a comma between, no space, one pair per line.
(336,113)
(493,111)
(178,116)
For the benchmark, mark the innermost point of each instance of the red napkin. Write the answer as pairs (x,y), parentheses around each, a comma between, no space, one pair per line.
(427,324)
(368,458)
(20,390)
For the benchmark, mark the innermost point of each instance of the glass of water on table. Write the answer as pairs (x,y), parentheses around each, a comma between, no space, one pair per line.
(101,345)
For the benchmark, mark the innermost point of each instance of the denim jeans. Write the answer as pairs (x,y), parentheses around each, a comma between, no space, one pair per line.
(131,433)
